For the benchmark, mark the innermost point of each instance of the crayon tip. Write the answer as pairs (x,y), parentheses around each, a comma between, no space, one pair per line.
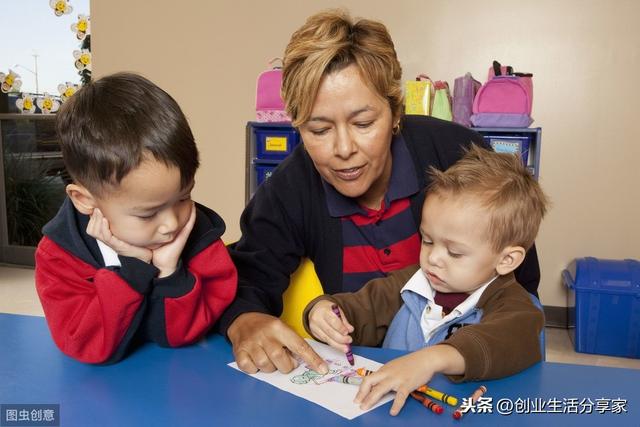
(363,372)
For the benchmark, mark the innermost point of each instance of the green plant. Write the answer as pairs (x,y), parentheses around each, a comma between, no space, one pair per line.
(33,196)
(85,75)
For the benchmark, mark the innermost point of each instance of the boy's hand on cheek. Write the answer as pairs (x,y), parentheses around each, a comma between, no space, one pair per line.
(98,228)
(166,257)
(327,327)
(402,375)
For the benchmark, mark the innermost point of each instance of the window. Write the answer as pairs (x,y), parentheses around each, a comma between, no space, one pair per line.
(45,57)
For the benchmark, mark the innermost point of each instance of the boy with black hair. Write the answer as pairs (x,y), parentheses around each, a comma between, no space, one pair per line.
(130,257)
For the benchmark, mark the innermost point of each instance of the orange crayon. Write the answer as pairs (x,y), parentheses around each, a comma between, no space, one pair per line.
(478,393)
(457,414)
(363,372)
(427,403)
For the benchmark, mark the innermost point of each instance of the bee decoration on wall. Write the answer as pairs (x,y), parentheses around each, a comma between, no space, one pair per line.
(48,104)
(60,7)
(81,27)
(83,59)
(67,90)
(26,104)
(9,82)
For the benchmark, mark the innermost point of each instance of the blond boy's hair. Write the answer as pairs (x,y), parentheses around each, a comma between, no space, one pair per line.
(514,201)
(331,41)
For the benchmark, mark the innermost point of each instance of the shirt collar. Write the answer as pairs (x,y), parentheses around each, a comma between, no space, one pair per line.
(403,183)
(419,284)
(109,255)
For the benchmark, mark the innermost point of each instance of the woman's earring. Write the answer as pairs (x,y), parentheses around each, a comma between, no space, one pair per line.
(396,129)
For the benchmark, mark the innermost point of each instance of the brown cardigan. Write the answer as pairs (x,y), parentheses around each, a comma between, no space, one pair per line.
(506,341)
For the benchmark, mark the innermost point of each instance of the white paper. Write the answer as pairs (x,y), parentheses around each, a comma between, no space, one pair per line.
(309,385)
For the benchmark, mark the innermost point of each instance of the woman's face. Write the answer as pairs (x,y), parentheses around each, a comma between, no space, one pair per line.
(348,137)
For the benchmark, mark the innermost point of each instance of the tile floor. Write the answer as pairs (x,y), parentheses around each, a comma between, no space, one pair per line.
(18,296)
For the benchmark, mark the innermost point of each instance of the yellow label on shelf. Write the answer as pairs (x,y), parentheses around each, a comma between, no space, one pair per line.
(276,143)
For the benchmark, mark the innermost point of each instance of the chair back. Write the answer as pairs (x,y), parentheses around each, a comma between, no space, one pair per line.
(543,347)
(303,287)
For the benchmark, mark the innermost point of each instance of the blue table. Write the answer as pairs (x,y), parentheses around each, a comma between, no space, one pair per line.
(193,386)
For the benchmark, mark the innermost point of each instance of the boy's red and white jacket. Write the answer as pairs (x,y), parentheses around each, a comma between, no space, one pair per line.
(97,313)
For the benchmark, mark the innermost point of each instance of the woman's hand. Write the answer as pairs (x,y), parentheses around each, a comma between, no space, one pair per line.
(166,257)
(98,228)
(264,343)
(329,328)
(405,374)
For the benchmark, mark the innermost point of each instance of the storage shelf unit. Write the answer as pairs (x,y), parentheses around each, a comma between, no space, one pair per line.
(267,144)
(525,141)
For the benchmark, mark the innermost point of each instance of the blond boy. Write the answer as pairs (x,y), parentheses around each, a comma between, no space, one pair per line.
(462,313)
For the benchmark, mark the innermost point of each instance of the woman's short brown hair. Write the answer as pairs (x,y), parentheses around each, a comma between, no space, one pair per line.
(330,41)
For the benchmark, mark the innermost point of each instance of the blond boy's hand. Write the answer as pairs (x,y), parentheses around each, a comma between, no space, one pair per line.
(166,257)
(405,374)
(98,228)
(327,327)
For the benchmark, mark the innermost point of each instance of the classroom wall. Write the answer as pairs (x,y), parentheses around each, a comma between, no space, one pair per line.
(584,54)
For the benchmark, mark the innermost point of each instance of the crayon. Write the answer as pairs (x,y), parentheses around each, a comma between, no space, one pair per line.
(478,393)
(349,354)
(427,403)
(347,380)
(443,397)
(457,414)
(363,372)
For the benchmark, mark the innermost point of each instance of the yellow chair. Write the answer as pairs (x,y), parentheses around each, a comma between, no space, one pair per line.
(303,287)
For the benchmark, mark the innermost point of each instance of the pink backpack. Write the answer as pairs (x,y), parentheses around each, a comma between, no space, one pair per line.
(269,103)
(504,100)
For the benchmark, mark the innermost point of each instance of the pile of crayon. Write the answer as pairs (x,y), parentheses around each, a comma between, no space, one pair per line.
(424,394)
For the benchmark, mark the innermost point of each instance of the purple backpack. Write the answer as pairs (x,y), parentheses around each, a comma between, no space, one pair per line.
(269,103)
(504,100)
(464,92)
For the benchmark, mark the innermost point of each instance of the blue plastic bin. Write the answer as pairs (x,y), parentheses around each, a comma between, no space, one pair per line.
(605,297)
(263,172)
(510,144)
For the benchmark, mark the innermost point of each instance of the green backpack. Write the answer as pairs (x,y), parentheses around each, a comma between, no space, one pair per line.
(442,101)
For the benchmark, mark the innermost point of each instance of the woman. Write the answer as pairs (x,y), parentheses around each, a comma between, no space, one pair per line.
(350,197)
